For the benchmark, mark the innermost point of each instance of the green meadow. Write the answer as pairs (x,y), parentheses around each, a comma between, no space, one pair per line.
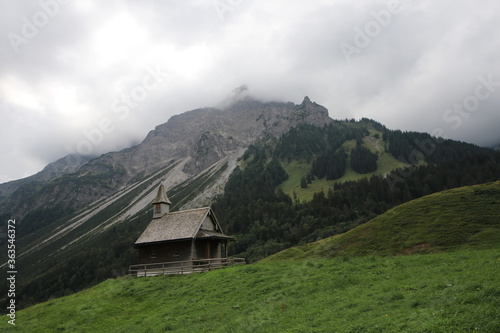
(443,292)
(298,169)
(429,265)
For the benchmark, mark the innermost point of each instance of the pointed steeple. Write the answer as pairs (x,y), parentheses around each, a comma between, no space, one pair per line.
(161,204)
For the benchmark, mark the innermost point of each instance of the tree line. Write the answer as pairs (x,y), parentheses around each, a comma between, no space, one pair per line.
(265,220)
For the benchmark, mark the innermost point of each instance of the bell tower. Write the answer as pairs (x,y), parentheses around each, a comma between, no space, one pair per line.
(161,204)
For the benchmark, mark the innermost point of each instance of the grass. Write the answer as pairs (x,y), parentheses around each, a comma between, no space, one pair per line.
(347,283)
(298,169)
(461,218)
(445,292)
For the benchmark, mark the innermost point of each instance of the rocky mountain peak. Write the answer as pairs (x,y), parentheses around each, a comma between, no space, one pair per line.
(199,138)
(208,134)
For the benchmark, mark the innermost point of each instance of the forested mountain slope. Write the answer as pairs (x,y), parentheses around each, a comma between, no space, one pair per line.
(461,218)
(269,208)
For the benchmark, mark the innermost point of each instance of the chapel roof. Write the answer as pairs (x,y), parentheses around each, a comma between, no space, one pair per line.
(180,225)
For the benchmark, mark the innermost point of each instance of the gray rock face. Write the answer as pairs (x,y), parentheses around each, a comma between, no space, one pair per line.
(65,165)
(209,134)
(203,136)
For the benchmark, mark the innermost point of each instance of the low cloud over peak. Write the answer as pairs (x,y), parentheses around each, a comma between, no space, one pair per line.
(72,70)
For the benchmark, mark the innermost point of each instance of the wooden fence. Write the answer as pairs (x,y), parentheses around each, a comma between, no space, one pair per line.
(183,267)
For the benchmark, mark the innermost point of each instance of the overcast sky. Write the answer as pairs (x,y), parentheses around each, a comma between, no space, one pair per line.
(93,76)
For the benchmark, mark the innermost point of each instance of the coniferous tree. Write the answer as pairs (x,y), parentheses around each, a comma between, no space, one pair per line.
(303,182)
(363,160)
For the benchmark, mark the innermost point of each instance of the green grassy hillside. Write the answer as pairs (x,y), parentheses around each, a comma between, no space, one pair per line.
(298,169)
(466,217)
(334,285)
(445,292)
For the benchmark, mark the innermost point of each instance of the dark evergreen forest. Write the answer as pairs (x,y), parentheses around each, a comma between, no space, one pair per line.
(265,220)
(363,160)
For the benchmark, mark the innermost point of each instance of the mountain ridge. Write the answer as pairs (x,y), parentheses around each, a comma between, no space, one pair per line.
(204,135)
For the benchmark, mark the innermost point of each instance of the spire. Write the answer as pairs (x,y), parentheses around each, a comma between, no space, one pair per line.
(161,203)
(161,196)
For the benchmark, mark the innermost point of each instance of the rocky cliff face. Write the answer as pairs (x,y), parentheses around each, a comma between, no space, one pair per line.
(201,138)
(208,134)
(65,165)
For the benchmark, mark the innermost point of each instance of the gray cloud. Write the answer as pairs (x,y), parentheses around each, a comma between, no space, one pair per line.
(63,84)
